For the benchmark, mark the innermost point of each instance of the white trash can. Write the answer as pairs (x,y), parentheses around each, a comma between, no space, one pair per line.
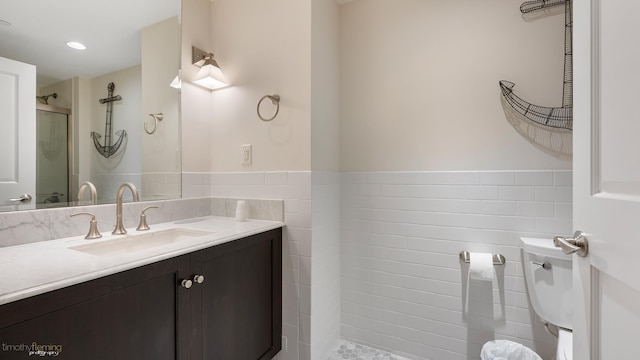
(507,350)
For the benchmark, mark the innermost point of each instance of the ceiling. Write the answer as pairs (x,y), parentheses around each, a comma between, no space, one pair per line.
(39,30)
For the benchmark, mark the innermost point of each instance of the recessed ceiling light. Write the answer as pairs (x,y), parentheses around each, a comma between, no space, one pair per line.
(76,45)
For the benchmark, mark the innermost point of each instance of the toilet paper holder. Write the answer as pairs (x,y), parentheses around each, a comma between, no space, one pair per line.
(498,259)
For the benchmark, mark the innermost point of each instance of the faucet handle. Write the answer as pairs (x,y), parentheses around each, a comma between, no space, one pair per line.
(143,219)
(93,226)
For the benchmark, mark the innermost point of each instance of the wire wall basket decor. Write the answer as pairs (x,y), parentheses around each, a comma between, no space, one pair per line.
(109,148)
(555,117)
(535,5)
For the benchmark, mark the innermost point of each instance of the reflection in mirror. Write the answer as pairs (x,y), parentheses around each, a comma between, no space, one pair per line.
(53,148)
(134,45)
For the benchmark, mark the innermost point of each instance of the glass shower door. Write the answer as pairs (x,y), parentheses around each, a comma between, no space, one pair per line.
(52,157)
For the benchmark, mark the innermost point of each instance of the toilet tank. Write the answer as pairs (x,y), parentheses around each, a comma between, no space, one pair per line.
(550,289)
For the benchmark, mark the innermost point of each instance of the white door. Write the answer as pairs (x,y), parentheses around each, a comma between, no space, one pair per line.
(607,178)
(17,132)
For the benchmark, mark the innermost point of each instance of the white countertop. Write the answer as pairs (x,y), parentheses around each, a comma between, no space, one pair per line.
(36,268)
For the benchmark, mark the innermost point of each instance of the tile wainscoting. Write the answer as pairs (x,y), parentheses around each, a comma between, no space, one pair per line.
(295,188)
(402,281)
(385,270)
(401,233)
(311,298)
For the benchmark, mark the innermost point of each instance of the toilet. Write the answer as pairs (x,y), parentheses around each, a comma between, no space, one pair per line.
(548,275)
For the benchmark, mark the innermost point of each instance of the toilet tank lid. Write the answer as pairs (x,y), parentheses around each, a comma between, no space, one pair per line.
(542,246)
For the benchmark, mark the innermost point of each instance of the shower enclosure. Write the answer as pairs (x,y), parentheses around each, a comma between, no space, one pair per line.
(53,146)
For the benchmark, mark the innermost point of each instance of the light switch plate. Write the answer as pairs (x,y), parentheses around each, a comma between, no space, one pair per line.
(245,154)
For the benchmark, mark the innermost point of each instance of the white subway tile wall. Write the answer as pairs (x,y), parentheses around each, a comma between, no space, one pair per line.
(161,185)
(295,189)
(402,281)
(325,265)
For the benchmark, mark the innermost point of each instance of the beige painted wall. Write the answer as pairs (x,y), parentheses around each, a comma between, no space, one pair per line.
(418,91)
(420,84)
(82,127)
(263,48)
(325,86)
(195,102)
(160,64)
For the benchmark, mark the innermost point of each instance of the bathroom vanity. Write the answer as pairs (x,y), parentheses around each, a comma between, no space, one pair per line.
(214,295)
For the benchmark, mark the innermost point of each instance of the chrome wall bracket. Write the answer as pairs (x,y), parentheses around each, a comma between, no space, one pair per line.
(498,259)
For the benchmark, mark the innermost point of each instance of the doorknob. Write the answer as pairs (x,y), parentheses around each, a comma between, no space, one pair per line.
(577,244)
(23,198)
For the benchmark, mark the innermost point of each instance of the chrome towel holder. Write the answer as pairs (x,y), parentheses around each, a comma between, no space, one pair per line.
(275,100)
(498,259)
(157,117)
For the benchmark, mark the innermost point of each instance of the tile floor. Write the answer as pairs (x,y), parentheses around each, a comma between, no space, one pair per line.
(352,351)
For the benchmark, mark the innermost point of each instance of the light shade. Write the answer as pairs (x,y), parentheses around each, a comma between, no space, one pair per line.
(176,83)
(210,76)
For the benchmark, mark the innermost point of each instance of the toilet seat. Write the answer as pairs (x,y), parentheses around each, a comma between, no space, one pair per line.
(564,349)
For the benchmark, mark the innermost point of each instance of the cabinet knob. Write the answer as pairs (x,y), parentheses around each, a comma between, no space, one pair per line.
(199,279)
(186,283)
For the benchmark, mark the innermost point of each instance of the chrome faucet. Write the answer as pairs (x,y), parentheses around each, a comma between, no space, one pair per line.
(119,230)
(92,190)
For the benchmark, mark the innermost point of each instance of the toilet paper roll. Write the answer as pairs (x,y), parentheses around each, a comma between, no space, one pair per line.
(480,266)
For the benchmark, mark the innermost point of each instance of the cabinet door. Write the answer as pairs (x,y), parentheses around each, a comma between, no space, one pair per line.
(134,314)
(237,310)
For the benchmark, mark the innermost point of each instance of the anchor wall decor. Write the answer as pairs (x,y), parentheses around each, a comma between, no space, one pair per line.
(109,148)
(556,117)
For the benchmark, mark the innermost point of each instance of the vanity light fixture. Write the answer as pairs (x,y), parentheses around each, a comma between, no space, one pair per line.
(76,45)
(210,75)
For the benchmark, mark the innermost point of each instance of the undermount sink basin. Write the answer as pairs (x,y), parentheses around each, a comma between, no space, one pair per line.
(136,242)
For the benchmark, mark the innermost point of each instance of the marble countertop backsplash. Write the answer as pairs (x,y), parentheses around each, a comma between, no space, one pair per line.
(29,226)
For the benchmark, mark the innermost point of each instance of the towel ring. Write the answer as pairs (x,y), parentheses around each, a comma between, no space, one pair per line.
(275,100)
(157,117)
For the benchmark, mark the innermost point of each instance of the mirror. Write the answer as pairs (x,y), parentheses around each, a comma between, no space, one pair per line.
(87,129)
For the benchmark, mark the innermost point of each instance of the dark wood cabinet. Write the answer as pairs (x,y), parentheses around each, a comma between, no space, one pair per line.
(145,313)
(238,308)
(135,314)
